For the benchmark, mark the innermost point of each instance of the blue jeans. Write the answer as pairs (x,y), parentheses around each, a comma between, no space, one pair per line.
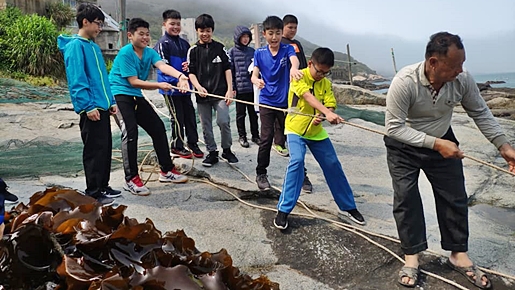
(325,155)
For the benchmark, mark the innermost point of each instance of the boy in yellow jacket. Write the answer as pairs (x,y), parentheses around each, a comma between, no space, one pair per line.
(313,95)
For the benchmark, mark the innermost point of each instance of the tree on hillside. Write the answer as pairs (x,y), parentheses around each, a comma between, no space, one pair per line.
(61,14)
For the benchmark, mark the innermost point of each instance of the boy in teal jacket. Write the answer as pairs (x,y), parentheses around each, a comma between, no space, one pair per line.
(92,99)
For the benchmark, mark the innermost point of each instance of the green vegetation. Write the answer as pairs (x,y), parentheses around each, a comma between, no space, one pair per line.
(109,64)
(28,49)
(61,14)
(31,80)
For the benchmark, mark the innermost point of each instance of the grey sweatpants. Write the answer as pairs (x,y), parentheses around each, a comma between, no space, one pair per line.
(205,111)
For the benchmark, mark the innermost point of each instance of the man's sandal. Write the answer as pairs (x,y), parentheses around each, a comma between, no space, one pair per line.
(478,282)
(410,272)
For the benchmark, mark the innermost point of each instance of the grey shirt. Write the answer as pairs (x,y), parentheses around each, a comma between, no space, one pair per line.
(415,115)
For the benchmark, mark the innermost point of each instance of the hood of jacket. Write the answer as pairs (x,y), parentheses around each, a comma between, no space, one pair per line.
(238,32)
(63,40)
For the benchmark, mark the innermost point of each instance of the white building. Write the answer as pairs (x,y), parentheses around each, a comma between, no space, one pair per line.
(258,40)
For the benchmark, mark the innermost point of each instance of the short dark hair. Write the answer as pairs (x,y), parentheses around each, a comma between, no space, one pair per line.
(323,56)
(204,21)
(290,18)
(272,22)
(440,42)
(171,14)
(90,12)
(136,23)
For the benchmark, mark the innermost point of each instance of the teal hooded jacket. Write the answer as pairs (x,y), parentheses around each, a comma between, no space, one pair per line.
(86,73)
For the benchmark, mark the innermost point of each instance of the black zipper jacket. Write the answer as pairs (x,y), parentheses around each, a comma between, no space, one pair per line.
(208,62)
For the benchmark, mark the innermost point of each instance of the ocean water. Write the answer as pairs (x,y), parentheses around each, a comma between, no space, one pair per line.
(508,78)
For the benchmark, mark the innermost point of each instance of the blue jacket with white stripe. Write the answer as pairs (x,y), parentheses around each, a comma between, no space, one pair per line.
(173,50)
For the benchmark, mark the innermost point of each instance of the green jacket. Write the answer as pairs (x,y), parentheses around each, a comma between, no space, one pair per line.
(303,125)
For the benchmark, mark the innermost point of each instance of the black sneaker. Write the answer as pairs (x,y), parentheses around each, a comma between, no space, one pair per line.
(211,159)
(110,192)
(102,198)
(229,156)
(307,187)
(281,220)
(183,153)
(105,201)
(243,142)
(262,182)
(8,197)
(196,151)
(256,140)
(354,215)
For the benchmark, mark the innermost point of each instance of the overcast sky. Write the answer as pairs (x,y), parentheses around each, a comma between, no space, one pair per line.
(373,26)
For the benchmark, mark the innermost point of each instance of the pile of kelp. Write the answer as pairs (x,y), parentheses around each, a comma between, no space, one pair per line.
(65,240)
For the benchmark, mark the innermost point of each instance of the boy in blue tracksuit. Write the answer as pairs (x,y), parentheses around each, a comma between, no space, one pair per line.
(241,58)
(92,100)
(174,50)
(313,95)
(5,197)
(2,213)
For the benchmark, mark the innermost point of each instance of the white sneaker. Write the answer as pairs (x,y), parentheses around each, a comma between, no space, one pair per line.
(136,186)
(172,176)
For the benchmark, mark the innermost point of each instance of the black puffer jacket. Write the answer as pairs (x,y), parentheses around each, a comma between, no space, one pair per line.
(241,57)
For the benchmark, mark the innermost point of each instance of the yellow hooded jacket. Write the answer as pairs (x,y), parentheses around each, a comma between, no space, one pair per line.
(303,125)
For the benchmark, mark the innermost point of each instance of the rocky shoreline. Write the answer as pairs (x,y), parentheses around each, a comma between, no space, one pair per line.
(500,100)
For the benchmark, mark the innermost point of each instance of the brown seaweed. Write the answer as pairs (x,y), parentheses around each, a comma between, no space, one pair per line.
(65,240)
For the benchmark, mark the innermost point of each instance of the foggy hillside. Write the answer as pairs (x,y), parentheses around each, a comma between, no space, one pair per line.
(226,13)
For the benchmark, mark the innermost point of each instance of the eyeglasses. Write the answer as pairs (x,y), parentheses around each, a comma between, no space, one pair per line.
(321,73)
(99,23)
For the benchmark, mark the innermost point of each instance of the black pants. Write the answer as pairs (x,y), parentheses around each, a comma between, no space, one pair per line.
(448,183)
(240,115)
(268,117)
(134,111)
(279,137)
(182,118)
(96,155)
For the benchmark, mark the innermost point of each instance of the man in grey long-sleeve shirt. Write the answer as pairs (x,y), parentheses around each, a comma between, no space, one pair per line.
(419,108)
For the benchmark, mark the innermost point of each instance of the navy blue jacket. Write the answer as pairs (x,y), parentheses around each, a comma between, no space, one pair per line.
(241,57)
(173,50)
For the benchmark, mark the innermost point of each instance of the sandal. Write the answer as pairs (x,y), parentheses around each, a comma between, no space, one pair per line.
(411,273)
(478,282)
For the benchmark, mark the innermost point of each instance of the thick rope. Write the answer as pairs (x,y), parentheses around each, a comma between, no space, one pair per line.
(293,111)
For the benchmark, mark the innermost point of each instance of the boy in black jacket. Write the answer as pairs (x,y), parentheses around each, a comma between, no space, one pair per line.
(210,72)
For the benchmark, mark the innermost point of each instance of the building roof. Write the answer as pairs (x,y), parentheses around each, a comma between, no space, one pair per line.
(109,23)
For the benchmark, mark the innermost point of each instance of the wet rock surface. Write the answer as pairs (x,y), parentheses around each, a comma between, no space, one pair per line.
(345,261)
(354,95)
